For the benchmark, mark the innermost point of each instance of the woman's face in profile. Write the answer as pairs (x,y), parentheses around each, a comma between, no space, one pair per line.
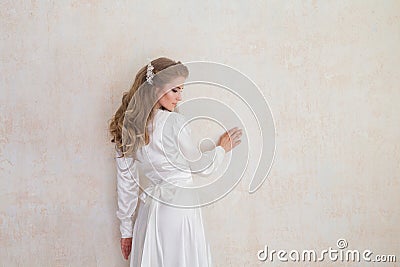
(171,93)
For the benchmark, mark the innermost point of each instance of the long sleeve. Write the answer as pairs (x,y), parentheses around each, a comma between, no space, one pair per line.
(128,192)
(203,164)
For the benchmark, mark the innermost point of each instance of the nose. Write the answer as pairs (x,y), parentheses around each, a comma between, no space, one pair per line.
(179,96)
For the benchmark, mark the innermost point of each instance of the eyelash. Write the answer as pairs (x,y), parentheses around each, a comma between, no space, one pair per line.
(176,91)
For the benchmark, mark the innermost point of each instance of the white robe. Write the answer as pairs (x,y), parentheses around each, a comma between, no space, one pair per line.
(164,235)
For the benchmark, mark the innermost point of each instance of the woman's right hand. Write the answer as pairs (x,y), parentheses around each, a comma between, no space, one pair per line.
(230,139)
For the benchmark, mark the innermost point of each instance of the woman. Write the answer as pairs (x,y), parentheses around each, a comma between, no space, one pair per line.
(151,138)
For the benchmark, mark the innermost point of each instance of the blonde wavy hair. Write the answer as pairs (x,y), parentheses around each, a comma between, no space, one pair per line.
(141,106)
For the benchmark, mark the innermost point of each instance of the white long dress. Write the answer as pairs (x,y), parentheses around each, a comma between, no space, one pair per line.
(163,235)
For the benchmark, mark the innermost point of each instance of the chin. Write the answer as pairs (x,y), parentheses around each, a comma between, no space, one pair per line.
(170,108)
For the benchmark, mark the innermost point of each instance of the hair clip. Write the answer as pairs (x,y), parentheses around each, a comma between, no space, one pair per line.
(150,74)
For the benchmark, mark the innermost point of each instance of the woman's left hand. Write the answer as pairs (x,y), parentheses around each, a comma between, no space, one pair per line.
(126,246)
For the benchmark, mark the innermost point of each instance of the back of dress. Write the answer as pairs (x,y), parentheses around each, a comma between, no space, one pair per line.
(164,235)
(162,159)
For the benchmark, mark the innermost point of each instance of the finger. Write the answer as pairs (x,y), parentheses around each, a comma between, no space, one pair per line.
(235,131)
(232,130)
(236,143)
(128,251)
(123,253)
(231,136)
(236,134)
(126,254)
(236,137)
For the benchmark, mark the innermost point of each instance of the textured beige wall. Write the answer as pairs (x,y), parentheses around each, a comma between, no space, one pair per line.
(331,74)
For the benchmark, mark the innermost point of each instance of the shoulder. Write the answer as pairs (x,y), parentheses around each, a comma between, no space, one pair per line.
(173,118)
(172,123)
